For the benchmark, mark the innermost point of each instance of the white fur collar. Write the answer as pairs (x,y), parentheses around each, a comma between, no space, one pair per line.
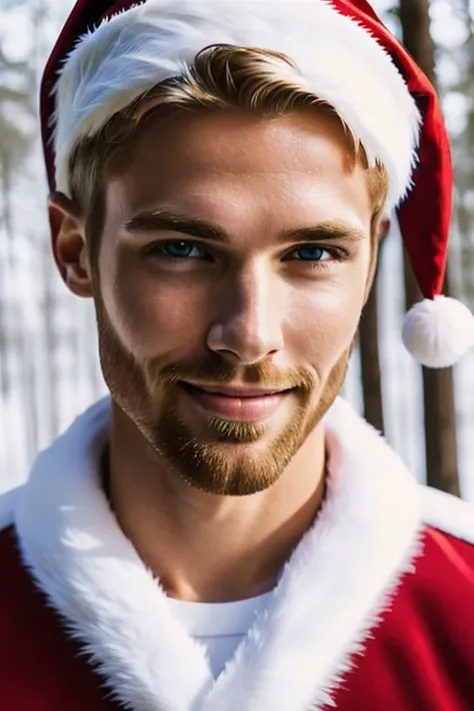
(333,589)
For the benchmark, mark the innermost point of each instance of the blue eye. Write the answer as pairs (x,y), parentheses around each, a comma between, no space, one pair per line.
(179,250)
(311,253)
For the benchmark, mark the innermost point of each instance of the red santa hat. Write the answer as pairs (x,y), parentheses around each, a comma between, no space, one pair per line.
(109,53)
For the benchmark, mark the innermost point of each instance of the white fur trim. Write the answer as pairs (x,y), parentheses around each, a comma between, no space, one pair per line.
(336,59)
(329,596)
(8,502)
(438,332)
(448,513)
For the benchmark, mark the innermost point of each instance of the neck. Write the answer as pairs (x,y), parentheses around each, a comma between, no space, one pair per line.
(204,547)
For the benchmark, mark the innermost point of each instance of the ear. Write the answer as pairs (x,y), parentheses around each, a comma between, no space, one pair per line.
(69,244)
(379,230)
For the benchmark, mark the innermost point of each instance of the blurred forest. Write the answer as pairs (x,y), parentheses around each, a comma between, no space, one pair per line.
(49,368)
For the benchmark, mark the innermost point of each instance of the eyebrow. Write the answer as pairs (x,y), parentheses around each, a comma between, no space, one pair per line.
(159,220)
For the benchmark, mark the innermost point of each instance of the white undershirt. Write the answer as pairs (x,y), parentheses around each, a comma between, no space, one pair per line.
(219,627)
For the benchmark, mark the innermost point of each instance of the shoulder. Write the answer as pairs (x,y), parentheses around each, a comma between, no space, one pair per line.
(24,613)
(429,623)
(451,517)
(13,572)
(8,502)
(426,633)
(11,566)
(445,569)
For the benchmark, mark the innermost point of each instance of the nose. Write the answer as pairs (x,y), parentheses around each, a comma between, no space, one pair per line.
(249,324)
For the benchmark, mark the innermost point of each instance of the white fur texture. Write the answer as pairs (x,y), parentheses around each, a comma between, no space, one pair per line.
(448,513)
(335,58)
(438,332)
(329,596)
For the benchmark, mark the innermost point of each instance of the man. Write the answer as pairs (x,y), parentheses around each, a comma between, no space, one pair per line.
(226,533)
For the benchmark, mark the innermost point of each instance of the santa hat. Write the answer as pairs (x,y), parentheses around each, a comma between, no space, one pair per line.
(109,53)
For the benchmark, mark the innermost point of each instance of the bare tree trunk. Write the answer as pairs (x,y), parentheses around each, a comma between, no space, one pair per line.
(370,362)
(438,385)
(370,357)
(415,22)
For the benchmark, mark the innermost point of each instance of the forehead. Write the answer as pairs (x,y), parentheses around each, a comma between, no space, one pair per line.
(219,161)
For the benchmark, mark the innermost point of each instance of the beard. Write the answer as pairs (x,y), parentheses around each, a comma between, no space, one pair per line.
(227,457)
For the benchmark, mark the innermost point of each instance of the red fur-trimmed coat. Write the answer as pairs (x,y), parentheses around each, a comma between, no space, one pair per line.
(373,612)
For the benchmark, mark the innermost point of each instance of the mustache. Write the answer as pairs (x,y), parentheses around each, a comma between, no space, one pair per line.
(217,371)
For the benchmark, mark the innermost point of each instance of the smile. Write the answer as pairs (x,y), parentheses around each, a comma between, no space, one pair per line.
(244,403)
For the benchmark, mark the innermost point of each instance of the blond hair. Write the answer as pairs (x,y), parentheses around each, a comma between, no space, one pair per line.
(222,76)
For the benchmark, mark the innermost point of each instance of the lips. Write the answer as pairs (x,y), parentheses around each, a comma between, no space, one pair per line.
(240,392)
(244,403)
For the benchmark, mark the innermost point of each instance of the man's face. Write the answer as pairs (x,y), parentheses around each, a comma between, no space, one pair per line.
(235,260)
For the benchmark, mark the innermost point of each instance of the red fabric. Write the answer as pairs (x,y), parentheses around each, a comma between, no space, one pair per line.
(41,669)
(424,218)
(421,656)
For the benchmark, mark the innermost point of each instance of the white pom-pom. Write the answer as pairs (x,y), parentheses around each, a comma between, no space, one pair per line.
(438,332)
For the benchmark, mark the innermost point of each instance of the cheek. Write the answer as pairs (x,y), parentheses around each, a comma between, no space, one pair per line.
(323,320)
(152,317)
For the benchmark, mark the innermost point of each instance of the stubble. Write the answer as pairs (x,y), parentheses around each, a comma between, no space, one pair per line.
(230,458)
